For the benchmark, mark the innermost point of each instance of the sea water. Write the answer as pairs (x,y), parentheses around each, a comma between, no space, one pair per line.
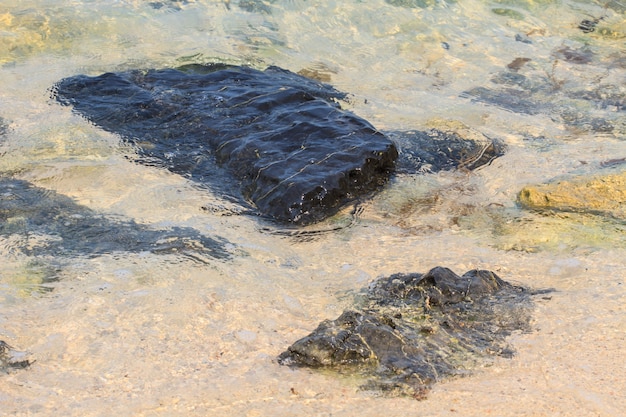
(166,334)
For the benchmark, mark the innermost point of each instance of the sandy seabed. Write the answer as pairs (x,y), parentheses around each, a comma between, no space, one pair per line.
(166,335)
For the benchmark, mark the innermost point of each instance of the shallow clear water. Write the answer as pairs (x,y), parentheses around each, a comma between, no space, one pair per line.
(166,334)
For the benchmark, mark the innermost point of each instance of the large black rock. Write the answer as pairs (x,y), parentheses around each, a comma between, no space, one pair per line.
(284,140)
(411,330)
(296,154)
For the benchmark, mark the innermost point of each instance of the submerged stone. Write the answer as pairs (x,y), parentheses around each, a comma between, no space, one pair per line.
(51,224)
(296,156)
(412,330)
(255,6)
(601,194)
(574,98)
(511,99)
(12,359)
(441,149)
(412,3)
(175,5)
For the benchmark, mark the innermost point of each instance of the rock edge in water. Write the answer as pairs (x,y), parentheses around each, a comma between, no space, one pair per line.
(412,330)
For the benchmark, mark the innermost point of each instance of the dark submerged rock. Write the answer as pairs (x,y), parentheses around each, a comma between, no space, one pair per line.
(255,6)
(518,63)
(52,224)
(588,26)
(512,99)
(295,155)
(415,329)
(438,150)
(578,56)
(578,88)
(411,4)
(12,359)
(593,108)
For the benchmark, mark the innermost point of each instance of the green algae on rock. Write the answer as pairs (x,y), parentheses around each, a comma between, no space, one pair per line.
(604,194)
(412,330)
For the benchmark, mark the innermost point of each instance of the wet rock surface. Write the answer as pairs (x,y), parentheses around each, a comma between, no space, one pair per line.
(294,154)
(411,330)
(42,222)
